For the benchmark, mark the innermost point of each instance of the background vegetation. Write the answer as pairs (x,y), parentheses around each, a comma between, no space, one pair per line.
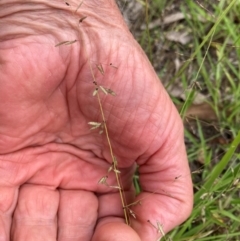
(194,47)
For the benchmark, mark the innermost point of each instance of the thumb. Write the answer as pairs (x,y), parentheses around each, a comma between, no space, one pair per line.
(114,229)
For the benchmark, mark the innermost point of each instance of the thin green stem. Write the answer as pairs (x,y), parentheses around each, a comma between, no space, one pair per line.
(147,30)
(191,93)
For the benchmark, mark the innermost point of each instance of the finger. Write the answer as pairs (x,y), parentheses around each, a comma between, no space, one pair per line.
(114,229)
(8,200)
(110,204)
(166,201)
(78,213)
(35,214)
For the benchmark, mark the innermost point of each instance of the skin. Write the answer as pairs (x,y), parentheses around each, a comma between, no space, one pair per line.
(50,160)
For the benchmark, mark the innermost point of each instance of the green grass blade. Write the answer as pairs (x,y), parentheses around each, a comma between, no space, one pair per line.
(210,33)
(217,170)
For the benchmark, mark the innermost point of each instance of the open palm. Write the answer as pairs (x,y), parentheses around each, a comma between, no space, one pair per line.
(50,160)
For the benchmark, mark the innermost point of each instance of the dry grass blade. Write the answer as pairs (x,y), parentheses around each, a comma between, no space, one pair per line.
(66,43)
(100,68)
(61,43)
(115,67)
(116,187)
(70,42)
(107,91)
(94,125)
(103,180)
(80,4)
(103,90)
(95,92)
(81,19)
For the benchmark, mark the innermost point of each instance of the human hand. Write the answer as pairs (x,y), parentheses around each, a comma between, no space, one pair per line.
(50,162)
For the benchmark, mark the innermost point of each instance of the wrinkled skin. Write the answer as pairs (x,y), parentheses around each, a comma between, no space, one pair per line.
(50,161)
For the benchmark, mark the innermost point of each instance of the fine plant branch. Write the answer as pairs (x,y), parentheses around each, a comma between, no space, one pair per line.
(192,92)
(114,161)
(159,229)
